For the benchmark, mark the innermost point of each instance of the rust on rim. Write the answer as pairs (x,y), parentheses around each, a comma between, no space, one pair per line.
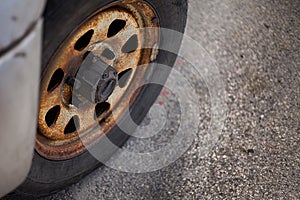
(114,34)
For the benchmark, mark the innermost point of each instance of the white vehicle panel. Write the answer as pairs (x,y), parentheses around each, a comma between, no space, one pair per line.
(20,59)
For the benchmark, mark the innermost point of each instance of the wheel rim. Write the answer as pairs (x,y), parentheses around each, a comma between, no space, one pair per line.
(115,34)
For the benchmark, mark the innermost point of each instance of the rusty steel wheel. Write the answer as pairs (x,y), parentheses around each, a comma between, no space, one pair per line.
(113,36)
(79,35)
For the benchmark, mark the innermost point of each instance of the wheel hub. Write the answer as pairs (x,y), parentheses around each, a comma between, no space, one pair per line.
(95,81)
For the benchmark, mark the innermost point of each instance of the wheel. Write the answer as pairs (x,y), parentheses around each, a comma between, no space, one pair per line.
(72,31)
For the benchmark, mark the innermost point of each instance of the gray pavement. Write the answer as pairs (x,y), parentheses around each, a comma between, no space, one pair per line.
(256,45)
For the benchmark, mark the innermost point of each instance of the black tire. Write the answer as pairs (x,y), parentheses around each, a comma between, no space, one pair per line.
(61,17)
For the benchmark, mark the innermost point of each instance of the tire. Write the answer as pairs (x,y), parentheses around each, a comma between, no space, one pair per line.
(49,176)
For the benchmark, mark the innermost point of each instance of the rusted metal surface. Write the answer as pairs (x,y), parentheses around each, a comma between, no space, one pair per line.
(52,142)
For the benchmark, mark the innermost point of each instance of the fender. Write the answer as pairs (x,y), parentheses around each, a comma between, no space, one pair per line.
(20,55)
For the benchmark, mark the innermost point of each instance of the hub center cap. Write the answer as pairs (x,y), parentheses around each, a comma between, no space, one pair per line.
(95,80)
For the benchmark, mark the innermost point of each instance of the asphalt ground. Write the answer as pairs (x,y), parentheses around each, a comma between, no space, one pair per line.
(256,47)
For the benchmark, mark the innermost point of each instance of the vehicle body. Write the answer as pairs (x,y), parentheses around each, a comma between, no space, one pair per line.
(20,47)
